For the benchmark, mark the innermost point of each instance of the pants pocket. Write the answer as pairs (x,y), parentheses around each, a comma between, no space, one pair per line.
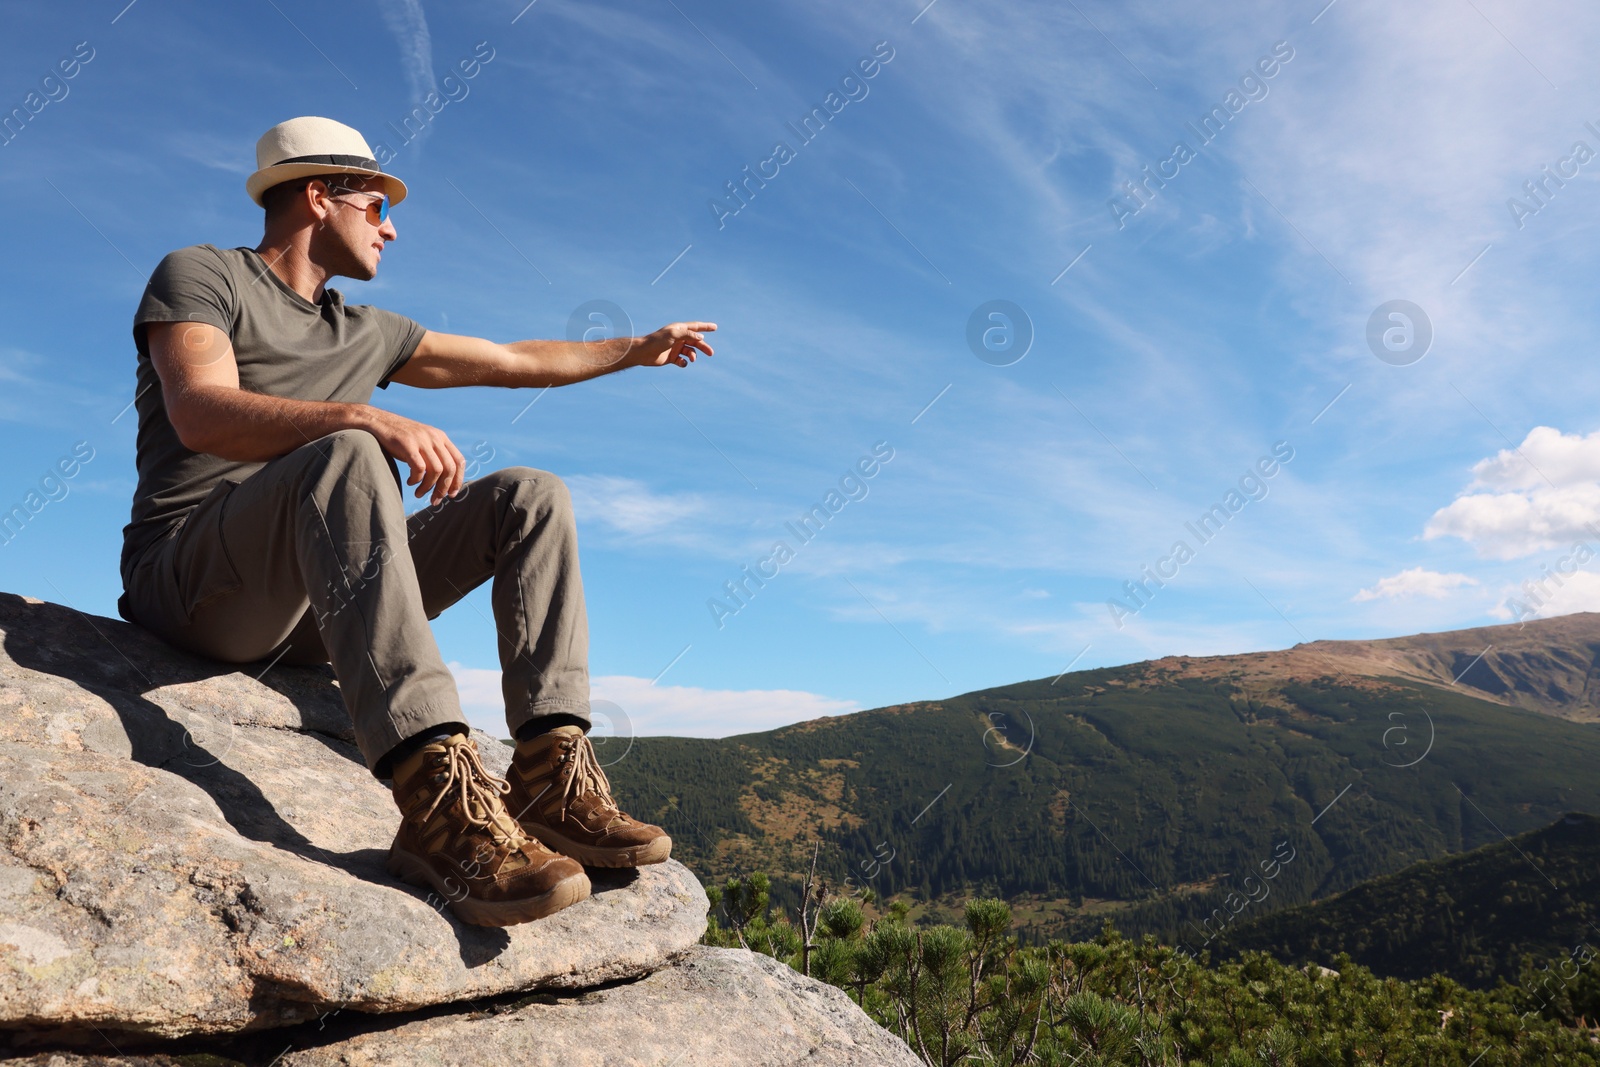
(202,567)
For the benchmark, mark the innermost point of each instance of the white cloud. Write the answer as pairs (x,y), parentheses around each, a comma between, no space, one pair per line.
(1412,583)
(1544,599)
(660,710)
(480,698)
(1542,495)
(629,506)
(1547,458)
(689,711)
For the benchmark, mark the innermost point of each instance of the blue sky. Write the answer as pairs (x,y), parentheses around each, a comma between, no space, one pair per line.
(1226,317)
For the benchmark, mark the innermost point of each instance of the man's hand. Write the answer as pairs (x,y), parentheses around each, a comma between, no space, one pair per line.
(675,343)
(437,466)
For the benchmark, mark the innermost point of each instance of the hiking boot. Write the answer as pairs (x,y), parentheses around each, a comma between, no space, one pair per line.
(456,838)
(560,795)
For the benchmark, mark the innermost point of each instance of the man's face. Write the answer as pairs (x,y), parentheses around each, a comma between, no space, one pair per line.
(348,242)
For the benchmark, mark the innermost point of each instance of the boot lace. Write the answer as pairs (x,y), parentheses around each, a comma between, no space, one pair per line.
(585,777)
(465,777)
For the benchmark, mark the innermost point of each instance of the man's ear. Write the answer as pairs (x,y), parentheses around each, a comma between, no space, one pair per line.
(315,195)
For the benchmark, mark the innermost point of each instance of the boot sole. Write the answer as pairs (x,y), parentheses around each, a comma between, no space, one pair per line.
(657,851)
(414,870)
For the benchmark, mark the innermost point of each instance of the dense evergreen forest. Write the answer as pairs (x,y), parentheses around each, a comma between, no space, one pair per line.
(1118,794)
(1474,917)
(973,994)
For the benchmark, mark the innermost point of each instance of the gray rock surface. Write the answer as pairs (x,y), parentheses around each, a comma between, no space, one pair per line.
(185,850)
(74,1059)
(715,1008)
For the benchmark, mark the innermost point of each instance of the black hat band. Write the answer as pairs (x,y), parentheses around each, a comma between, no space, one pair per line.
(336,160)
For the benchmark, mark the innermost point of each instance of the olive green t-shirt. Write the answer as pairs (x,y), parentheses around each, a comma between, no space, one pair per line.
(285,346)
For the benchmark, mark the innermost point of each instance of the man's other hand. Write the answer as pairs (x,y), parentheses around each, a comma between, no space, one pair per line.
(676,342)
(437,466)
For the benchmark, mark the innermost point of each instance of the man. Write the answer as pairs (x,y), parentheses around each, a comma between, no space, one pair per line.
(269,522)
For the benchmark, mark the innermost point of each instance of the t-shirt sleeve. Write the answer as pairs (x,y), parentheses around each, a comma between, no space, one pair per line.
(188,285)
(401,337)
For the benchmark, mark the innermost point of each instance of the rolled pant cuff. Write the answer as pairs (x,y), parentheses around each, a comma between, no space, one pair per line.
(543,707)
(378,742)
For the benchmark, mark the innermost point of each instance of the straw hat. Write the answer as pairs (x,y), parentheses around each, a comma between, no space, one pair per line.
(310,145)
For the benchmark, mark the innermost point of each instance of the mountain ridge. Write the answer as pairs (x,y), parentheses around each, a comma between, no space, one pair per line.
(1546,665)
(1141,793)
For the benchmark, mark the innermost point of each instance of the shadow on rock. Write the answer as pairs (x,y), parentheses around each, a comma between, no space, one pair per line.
(610,879)
(121,663)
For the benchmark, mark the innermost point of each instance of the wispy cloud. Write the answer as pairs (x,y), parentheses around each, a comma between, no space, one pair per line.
(16,365)
(629,507)
(643,709)
(230,154)
(690,711)
(408,23)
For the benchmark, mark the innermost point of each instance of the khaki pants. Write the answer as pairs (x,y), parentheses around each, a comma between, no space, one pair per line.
(313,557)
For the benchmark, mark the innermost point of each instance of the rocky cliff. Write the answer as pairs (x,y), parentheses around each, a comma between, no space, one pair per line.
(191,861)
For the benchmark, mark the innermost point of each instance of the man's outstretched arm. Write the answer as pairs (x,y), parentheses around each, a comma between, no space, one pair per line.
(444,360)
(212,414)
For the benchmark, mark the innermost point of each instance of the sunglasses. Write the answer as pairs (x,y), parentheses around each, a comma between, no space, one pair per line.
(377,210)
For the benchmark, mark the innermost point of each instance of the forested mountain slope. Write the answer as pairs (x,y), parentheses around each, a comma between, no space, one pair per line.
(1472,916)
(1146,793)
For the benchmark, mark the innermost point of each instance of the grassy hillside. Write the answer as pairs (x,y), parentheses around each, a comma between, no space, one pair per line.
(1142,794)
(1472,916)
(1550,665)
